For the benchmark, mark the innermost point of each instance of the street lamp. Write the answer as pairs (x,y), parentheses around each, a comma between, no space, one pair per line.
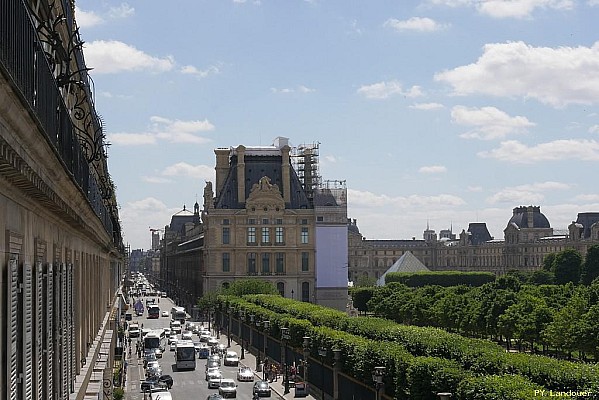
(322,352)
(306,347)
(284,337)
(266,325)
(231,309)
(377,378)
(336,365)
(241,319)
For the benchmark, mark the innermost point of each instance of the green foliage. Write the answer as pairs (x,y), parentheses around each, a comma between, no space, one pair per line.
(494,387)
(361,296)
(541,277)
(118,393)
(548,262)
(567,266)
(590,268)
(443,278)
(364,280)
(242,287)
(427,376)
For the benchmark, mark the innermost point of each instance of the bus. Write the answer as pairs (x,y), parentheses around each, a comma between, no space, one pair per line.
(155,339)
(153,311)
(185,355)
(178,314)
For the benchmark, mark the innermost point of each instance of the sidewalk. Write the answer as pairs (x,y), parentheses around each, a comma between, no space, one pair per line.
(250,361)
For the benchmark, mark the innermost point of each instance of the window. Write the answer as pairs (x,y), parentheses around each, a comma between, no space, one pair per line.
(279,235)
(280,263)
(226,262)
(305,291)
(304,235)
(252,264)
(251,221)
(266,263)
(265,221)
(319,218)
(266,235)
(305,261)
(226,235)
(281,288)
(251,234)
(279,221)
(226,221)
(304,222)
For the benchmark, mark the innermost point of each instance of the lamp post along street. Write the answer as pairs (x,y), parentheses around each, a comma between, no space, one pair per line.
(241,319)
(377,377)
(336,365)
(229,327)
(284,337)
(265,325)
(322,352)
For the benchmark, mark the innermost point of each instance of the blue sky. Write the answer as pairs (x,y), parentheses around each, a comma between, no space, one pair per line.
(438,112)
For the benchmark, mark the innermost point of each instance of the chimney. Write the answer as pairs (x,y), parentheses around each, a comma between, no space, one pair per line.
(530,210)
(286,173)
(241,173)
(222,167)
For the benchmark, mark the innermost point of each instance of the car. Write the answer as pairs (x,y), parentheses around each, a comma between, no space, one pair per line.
(213,373)
(221,348)
(262,389)
(165,313)
(148,357)
(214,396)
(186,335)
(204,337)
(167,380)
(173,344)
(231,359)
(212,364)
(227,388)
(167,332)
(245,374)
(203,352)
(212,342)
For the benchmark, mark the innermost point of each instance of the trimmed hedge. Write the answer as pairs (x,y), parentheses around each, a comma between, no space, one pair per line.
(440,278)
(505,387)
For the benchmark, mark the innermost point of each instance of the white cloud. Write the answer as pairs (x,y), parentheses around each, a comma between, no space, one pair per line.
(298,89)
(568,149)
(488,122)
(554,76)
(384,90)
(198,73)
(108,57)
(204,172)
(124,10)
(155,179)
(474,189)
(427,106)
(590,198)
(508,8)
(87,19)
(526,194)
(593,3)
(432,169)
(418,24)
(372,201)
(594,128)
(164,129)
(139,216)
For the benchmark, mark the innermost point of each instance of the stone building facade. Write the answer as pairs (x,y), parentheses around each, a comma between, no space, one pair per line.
(61,252)
(528,238)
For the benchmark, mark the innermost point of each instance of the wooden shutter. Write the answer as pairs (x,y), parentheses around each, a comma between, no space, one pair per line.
(12,330)
(27,317)
(38,350)
(48,342)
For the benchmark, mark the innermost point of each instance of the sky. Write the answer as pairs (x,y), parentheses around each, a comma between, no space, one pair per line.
(436,113)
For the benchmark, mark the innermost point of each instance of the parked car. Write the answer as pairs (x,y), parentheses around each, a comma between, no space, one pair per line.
(227,388)
(262,389)
(214,396)
(231,358)
(245,374)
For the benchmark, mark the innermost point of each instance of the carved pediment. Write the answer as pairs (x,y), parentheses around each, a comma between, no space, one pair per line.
(265,195)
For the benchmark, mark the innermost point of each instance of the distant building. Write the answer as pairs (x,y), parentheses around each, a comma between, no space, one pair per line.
(528,238)
(268,215)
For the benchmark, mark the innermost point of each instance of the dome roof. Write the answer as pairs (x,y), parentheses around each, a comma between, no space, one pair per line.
(529,217)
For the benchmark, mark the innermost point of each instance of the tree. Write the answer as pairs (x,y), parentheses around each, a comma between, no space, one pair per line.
(242,287)
(566,266)
(541,277)
(364,281)
(590,268)
(548,262)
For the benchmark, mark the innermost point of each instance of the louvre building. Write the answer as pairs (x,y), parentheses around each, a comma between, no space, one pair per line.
(528,238)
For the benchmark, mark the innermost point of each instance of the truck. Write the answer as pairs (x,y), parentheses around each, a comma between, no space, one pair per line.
(178,314)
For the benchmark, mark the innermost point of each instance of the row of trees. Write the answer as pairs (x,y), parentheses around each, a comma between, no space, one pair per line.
(558,318)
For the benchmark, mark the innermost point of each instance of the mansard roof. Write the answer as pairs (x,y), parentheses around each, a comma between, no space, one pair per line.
(529,217)
(258,166)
